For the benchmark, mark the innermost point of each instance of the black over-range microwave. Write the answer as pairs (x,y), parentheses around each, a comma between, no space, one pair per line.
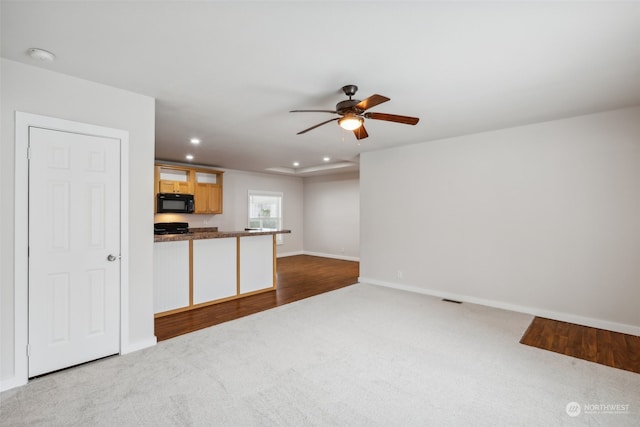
(175,203)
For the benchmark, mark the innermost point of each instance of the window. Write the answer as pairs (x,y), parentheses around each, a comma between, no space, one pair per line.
(265,211)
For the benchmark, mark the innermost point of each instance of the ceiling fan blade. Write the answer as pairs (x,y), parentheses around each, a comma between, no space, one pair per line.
(318,125)
(314,111)
(392,118)
(360,133)
(371,101)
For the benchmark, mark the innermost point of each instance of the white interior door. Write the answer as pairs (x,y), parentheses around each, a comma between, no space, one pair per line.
(74,247)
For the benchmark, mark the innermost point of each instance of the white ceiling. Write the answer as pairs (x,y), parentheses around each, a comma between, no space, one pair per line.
(229,72)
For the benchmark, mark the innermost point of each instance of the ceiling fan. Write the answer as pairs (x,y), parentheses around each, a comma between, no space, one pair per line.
(353,112)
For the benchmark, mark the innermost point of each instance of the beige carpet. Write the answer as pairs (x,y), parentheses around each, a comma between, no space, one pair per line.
(359,356)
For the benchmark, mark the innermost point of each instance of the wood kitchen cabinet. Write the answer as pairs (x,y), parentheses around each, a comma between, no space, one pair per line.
(174,179)
(208,194)
(205,185)
(174,187)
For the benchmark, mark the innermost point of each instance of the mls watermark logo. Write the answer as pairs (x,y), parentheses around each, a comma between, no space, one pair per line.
(573,409)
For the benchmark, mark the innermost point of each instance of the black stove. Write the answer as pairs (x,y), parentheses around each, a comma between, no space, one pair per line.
(171,228)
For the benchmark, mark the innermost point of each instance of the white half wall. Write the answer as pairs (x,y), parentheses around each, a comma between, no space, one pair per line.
(39,91)
(332,216)
(542,218)
(235,202)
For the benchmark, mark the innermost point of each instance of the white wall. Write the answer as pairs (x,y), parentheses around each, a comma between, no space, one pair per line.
(34,90)
(332,216)
(235,199)
(543,219)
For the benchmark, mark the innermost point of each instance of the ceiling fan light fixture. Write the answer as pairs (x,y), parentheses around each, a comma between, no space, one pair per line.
(350,122)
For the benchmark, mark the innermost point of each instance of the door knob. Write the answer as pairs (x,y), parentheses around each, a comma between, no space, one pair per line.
(112,257)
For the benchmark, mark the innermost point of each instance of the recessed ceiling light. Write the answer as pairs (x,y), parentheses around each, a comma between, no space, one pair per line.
(326,159)
(41,54)
(195,140)
(296,164)
(189,157)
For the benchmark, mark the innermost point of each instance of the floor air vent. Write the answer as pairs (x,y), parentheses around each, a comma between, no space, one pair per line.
(450,300)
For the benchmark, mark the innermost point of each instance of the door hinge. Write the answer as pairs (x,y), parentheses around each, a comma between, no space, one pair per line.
(29,153)
(28,350)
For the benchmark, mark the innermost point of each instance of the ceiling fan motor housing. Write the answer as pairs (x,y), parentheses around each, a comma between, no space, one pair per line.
(348,106)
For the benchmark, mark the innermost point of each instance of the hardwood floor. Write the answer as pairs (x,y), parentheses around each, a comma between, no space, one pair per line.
(298,277)
(608,348)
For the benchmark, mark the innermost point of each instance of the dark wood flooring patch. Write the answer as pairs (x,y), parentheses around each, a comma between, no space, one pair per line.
(608,348)
(298,277)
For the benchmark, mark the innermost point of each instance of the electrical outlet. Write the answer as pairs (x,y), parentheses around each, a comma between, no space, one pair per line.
(400,274)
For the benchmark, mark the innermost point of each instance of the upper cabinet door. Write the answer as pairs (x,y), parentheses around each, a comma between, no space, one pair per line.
(208,195)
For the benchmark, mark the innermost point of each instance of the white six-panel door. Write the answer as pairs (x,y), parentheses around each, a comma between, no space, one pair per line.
(74,247)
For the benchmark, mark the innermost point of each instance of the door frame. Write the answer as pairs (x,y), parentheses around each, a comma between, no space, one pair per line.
(23,121)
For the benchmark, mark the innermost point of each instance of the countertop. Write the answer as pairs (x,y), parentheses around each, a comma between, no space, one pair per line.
(213,233)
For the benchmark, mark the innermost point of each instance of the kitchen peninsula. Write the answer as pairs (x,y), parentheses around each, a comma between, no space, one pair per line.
(207,266)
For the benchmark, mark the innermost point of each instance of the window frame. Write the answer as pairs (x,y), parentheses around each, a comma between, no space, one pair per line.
(280,223)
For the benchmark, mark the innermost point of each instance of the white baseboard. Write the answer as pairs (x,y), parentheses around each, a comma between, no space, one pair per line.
(13,382)
(286,254)
(334,256)
(534,311)
(140,345)
(320,254)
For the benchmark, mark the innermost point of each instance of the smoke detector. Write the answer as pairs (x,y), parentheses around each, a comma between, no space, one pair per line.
(41,54)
